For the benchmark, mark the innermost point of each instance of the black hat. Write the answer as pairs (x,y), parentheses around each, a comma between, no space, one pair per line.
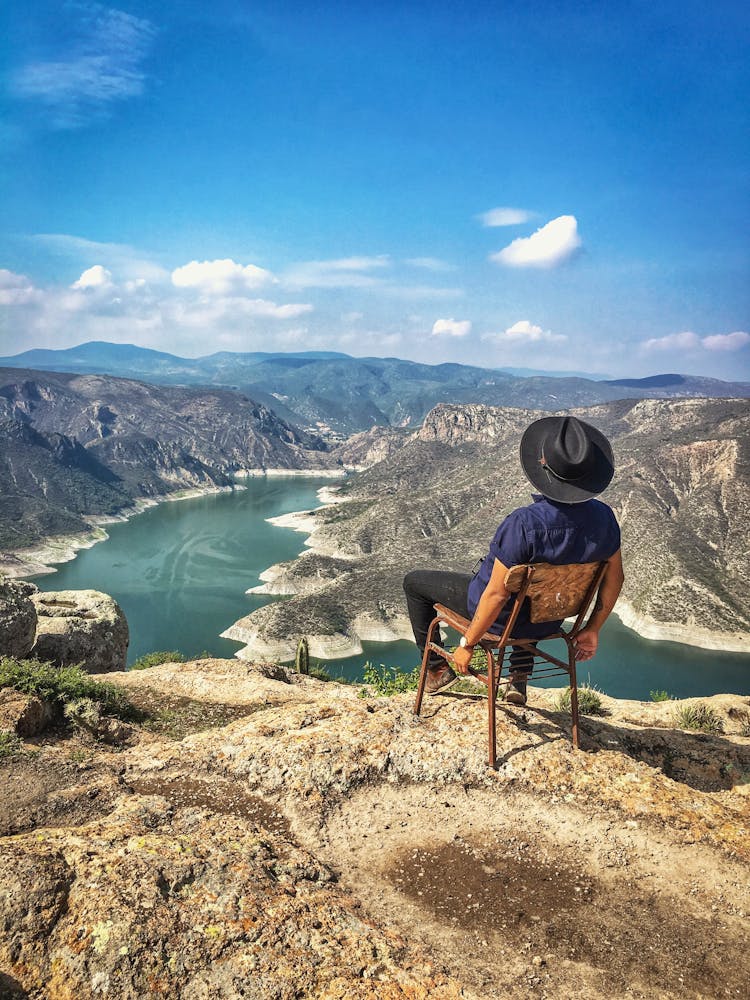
(566,459)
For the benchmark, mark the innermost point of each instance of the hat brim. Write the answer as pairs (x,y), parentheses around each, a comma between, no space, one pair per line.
(595,482)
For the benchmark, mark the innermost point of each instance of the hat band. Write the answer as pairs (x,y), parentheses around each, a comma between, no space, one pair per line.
(563,479)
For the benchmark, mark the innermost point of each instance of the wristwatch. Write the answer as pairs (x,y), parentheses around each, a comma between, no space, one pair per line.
(464,644)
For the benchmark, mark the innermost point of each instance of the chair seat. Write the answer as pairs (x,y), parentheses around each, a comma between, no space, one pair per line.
(554,592)
(492,639)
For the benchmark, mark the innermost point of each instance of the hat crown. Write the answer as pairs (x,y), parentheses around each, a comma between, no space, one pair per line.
(568,453)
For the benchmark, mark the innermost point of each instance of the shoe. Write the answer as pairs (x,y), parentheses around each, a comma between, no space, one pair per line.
(515,693)
(439,680)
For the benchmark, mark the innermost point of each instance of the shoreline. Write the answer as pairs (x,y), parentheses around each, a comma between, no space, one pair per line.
(336,646)
(649,628)
(270,473)
(42,559)
(365,628)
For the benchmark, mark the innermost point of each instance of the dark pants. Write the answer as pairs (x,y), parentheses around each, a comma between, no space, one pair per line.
(427,587)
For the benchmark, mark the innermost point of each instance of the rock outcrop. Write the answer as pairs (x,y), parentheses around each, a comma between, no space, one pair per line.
(328,844)
(17,617)
(82,627)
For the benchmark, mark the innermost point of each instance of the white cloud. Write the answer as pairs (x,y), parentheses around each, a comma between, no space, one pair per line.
(431,264)
(525,332)
(356,263)
(98,306)
(451,327)
(16,289)
(219,277)
(547,247)
(94,277)
(504,217)
(685,341)
(100,64)
(726,341)
(688,341)
(345,272)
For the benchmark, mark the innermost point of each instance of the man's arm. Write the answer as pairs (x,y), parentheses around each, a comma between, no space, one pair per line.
(587,640)
(490,605)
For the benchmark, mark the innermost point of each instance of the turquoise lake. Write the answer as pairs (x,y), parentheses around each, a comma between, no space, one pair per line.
(180,571)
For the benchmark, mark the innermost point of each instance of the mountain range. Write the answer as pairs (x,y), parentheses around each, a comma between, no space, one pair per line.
(77,446)
(337,395)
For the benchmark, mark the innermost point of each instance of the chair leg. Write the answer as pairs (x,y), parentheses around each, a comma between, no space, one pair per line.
(425,657)
(574,700)
(491,696)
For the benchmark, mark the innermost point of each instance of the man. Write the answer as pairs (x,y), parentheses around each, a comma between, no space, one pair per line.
(569,462)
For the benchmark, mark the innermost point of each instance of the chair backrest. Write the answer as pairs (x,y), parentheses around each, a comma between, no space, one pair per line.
(556,592)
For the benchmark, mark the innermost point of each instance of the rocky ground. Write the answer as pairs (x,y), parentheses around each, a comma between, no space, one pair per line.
(258,838)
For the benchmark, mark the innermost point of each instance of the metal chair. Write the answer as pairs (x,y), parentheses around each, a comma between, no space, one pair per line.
(553,592)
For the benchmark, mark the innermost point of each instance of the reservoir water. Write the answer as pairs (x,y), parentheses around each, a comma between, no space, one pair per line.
(180,571)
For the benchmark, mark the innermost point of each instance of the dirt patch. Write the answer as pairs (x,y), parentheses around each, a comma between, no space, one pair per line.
(216,795)
(176,716)
(558,910)
(44,789)
(465,884)
(520,897)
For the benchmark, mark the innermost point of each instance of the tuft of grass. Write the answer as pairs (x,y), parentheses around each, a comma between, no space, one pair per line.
(390,680)
(322,673)
(698,717)
(160,656)
(10,744)
(660,696)
(61,685)
(589,700)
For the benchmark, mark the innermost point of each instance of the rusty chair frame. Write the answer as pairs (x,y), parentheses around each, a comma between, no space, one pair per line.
(554,592)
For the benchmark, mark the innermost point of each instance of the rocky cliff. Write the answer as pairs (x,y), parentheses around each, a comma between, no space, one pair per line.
(680,494)
(77,446)
(282,838)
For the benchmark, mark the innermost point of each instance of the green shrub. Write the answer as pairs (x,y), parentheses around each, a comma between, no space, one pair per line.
(162,656)
(61,685)
(589,701)
(660,696)
(390,680)
(699,717)
(10,744)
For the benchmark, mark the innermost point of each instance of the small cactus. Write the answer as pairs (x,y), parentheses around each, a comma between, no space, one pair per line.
(302,658)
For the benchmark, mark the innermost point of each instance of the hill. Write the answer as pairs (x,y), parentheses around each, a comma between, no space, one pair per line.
(74,447)
(335,394)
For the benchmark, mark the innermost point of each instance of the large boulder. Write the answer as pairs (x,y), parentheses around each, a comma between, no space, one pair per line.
(82,627)
(17,617)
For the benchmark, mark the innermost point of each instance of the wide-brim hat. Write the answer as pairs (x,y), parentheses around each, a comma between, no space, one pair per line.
(566,459)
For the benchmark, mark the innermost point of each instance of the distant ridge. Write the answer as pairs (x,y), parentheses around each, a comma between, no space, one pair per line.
(651,381)
(335,394)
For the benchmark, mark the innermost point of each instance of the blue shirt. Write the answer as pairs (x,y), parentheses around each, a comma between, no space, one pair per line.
(551,532)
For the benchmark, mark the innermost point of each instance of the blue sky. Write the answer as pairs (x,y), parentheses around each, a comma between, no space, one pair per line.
(543,184)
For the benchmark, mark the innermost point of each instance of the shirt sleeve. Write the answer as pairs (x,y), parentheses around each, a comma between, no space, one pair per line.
(509,544)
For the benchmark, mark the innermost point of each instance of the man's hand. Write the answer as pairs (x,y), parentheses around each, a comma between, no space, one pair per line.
(462,659)
(586,643)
